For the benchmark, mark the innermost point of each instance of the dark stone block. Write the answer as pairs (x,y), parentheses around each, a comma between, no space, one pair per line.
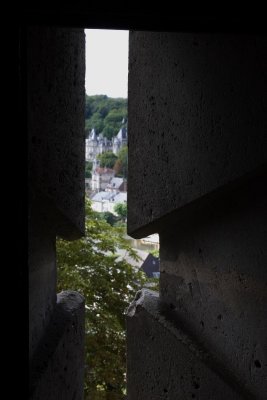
(163,362)
(197,119)
(56,104)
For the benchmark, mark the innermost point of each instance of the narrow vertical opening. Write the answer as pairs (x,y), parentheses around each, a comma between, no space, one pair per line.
(106,266)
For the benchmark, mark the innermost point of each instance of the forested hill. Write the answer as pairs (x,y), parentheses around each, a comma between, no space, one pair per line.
(105,114)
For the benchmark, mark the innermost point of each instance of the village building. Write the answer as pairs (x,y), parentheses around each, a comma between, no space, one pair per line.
(150,266)
(98,144)
(101,178)
(106,201)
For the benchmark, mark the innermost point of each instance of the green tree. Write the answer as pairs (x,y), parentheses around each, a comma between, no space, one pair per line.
(105,114)
(88,169)
(108,282)
(121,165)
(96,122)
(121,210)
(116,116)
(109,217)
(154,252)
(94,104)
(110,131)
(118,168)
(107,159)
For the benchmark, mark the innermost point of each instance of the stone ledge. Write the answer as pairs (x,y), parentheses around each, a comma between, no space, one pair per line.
(56,370)
(163,362)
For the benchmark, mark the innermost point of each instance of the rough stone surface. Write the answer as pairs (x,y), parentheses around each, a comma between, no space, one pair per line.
(164,363)
(214,276)
(55,66)
(56,104)
(42,273)
(197,118)
(197,176)
(58,364)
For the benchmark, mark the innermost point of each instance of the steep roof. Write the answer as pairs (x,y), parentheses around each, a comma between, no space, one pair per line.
(110,196)
(120,197)
(150,265)
(93,135)
(100,196)
(122,134)
(102,171)
(115,183)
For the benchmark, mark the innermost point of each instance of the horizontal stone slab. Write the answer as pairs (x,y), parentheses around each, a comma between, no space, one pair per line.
(197,119)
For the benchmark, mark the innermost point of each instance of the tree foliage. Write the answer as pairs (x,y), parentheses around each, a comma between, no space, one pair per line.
(88,169)
(108,282)
(105,114)
(121,165)
(155,253)
(107,159)
(121,210)
(109,217)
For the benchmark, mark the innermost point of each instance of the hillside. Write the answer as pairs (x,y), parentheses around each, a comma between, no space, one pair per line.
(105,114)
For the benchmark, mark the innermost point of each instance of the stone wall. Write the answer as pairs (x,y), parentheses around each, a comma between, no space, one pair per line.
(196,118)
(197,173)
(56,107)
(163,362)
(55,104)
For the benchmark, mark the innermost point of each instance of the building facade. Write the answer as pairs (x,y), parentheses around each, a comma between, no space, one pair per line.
(98,144)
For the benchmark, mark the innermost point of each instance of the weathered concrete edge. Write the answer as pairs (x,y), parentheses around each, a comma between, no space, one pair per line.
(69,305)
(189,210)
(64,226)
(148,301)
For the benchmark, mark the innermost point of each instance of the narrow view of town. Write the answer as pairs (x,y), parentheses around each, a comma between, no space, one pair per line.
(158,130)
(106,186)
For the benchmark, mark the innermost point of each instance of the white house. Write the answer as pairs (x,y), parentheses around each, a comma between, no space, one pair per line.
(105,201)
(115,185)
(101,177)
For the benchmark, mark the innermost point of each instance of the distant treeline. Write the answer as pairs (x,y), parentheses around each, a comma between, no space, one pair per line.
(105,114)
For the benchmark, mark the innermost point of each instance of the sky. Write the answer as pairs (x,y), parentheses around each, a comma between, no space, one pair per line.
(106,62)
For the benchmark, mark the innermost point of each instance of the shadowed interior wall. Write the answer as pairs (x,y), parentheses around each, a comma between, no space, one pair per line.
(197,167)
(214,278)
(197,173)
(197,110)
(55,105)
